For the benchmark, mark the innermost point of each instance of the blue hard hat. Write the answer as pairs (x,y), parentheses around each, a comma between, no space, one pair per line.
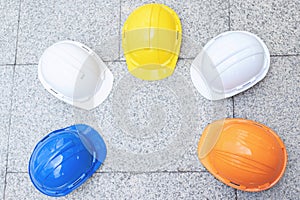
(65,159)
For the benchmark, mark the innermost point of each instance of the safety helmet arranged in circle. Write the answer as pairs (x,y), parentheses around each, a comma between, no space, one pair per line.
(151,39)
(75,74)
(230,63)
(65,159)
(243,154)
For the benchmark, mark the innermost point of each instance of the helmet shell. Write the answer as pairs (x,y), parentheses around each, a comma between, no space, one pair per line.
(243,154)
(151,39)
(75,74)
(65,159)
(230,63)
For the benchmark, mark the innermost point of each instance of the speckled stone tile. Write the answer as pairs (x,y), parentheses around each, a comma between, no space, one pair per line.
(154,126)
(200,21)
(9,11)
(275,102)
(6,79)
(131,186)
(2,184)
(276,22)
(19,186)
(42,23)
(35,113)
(129,6)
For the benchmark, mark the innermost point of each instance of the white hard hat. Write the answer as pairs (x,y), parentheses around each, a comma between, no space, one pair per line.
(230,63)
(72,72)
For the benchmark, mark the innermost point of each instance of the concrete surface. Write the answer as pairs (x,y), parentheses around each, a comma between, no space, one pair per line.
(6,82)
(151,128)
(8,31)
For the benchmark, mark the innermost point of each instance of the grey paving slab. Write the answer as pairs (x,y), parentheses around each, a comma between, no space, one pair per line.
(128,6)
(275,103)
(6,80)
(2,183)
(19,186)
(154,126)
(131,186)
(42,23)
(9,11)
(144,123)
(35,113)
(200,20)
(276,22)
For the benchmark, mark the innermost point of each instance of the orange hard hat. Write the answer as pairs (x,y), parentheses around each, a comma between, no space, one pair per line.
(243,154)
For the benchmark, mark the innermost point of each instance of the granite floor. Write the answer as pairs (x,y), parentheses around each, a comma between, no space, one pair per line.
(151,128)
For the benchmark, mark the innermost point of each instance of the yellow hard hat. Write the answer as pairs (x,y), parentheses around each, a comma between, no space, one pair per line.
(151,39)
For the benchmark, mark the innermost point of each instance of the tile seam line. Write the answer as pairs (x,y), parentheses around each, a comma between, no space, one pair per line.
(119,30)
(275,55)
(26,64)
(152,172)
(18,29)
(9,129)
(284,55)
(235,192)
(11,99)
(229,16)
(132,173)
(233,108)
(4,65)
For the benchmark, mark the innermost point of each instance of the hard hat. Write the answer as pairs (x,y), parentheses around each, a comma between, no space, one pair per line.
(65,159)
(243,154)
(230,63)
(72,72)
(151,39)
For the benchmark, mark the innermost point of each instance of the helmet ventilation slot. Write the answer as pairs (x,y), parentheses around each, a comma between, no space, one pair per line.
(248,83)
(77,181)
(53,91)
(260,126)
(44,138)
(85,48)
(234,183)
